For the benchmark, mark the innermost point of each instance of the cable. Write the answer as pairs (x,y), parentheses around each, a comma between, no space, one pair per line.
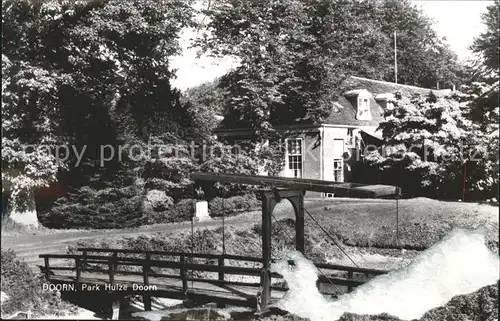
(319,270)
(331,238)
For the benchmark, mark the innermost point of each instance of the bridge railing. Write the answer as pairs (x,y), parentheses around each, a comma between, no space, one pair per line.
(350,270)
(185,258)
(115,266)
(113,262)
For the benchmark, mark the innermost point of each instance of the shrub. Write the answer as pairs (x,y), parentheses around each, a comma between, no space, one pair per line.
(157,200)
(24,289)
(219,206)
(180,212)
(99,209)
(170,174)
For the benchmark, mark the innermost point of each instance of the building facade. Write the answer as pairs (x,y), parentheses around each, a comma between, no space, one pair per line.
(328,151)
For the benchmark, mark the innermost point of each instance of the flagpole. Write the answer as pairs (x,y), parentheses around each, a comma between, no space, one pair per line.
(395,60)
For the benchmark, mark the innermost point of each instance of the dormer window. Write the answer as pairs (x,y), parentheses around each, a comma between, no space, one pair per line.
(360,98)
(363,110)
(384,100)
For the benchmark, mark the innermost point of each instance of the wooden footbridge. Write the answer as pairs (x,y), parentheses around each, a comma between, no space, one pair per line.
(200,278)
(194,277)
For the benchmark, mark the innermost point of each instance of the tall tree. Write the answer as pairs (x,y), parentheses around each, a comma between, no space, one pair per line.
(94,72)
(423,57)
(483,71)
(486,45)
(31,132)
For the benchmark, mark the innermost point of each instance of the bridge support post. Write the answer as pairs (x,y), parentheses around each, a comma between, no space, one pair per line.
(268,204)
(269,200)
(298,204)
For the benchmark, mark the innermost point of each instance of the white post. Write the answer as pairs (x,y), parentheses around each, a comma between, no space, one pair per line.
(202,211)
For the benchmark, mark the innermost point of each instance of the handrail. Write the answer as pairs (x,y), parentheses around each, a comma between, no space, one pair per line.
(214,256)
(158,263)
(173,253)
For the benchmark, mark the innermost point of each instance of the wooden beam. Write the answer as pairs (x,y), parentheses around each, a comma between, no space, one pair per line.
(338,188)
(350,268)
(170,253)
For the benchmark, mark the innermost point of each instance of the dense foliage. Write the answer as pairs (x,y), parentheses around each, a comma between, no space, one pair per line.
(206,103)
(242,163)
(84,75)
(179,212)
(440,152)
(447,146)
(91,208)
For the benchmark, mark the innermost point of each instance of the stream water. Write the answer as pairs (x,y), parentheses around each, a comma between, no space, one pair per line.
(459,264)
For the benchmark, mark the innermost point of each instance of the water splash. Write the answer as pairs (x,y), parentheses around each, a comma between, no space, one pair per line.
(303,298)
(459,264)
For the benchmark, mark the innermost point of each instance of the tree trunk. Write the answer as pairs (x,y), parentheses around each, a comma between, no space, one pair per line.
(25,211)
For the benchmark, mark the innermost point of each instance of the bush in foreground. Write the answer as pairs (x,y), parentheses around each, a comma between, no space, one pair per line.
(24,289)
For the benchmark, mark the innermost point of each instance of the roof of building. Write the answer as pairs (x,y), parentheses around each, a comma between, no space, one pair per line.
(344,110)
(346,113)
(381,87)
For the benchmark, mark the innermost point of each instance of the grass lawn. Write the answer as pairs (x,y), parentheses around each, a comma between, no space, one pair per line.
(421,222)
